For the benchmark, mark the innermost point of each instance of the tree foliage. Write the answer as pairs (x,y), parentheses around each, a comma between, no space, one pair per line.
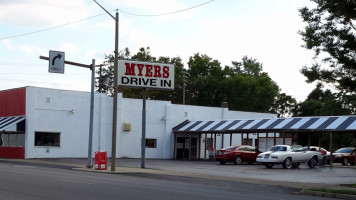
(331,33)
(243,85)
(322,102)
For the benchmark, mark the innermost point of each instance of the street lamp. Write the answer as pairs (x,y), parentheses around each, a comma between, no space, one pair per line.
(114,117)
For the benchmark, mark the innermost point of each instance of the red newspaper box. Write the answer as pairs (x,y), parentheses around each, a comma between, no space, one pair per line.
(101,160)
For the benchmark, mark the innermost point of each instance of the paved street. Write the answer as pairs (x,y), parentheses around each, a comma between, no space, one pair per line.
(321,175)
(35,181)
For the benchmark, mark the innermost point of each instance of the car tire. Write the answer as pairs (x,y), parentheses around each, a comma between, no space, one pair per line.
(237,160)
(287,163)
(295,165)
(222,162)
(269,165)
(313,162)
(345,161)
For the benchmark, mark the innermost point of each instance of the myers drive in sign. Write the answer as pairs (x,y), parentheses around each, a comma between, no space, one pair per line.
(145,74)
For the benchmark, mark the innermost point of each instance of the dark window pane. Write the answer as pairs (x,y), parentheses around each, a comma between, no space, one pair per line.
(47,139)
(151,143)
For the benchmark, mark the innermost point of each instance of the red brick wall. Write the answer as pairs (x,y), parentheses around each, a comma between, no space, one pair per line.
(13,102)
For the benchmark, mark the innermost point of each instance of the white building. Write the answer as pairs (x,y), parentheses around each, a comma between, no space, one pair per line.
(57,124)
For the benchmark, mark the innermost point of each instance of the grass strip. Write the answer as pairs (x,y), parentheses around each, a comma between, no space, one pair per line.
(349,185)
(350,192)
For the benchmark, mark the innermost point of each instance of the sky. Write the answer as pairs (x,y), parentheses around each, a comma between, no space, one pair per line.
(225,30)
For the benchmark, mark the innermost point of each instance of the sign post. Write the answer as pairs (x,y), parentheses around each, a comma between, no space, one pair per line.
(56,65)
(145,75)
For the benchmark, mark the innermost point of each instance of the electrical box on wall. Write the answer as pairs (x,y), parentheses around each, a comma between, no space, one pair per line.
(126,126)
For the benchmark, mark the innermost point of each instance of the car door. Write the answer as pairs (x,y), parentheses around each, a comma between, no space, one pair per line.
(241,152)
(352,156)
(298,154)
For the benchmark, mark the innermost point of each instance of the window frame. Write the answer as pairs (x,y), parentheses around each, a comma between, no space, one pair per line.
(46,145)
(154,143)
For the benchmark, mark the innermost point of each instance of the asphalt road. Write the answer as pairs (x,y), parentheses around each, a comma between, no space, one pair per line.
(33,182)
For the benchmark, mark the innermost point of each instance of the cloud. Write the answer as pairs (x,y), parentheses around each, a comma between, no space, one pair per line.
(69,48)
(98,55)
(39,13)
(155,7)
(151,7)
(8,44)
(65,84)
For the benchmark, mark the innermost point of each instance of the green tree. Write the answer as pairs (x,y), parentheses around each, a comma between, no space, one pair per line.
(284,105)
(244,85)
(204,81)
(322,102)
(248,88)
(331,33)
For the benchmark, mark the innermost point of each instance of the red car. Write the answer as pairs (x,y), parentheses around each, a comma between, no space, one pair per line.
(237,154)
(344,156)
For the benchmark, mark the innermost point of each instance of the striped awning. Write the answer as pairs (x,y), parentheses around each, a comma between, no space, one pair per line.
(293,124)
(6,122)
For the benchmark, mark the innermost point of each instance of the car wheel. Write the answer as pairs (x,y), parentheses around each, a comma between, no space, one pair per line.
(313,162)
(287,163)
(269,165)
(237,160)
(295,164)
(222,162)
(345,161)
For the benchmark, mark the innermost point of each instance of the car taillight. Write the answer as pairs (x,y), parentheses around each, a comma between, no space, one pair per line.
(323,152)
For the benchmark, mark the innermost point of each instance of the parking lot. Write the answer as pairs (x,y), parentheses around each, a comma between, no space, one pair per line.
(303,174)
(300,177)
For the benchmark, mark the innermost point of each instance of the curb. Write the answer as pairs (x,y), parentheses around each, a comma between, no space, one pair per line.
(328,195)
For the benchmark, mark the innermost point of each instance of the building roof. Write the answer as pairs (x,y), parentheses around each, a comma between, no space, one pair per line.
(292,124)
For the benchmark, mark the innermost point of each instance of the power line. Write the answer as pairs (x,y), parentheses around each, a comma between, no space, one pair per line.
(169,13)
(141,15)
(54,27)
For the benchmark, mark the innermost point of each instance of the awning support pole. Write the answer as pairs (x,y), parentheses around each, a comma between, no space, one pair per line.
(190,146)
(206,140)
(199,146)
(284,138)
(222,140)
(214,143)
(230,139)
(331,149)
(175,146)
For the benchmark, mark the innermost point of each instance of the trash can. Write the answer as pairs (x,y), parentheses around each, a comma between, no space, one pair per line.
(101,160)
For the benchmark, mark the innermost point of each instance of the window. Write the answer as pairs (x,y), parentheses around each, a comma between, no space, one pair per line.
(151,143)
(247,141)
(252,149)
(12,139)
(47,139)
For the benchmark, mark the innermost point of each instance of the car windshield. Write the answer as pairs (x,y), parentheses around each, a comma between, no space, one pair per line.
(229,148)
(278,148)
(344,150)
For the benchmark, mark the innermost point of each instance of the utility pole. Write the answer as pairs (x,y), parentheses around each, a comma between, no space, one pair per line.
(90,145)
(114,117)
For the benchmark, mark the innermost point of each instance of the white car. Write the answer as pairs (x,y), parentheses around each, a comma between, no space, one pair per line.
(288,156)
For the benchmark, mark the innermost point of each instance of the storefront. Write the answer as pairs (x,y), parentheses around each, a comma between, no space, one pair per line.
(52,123)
